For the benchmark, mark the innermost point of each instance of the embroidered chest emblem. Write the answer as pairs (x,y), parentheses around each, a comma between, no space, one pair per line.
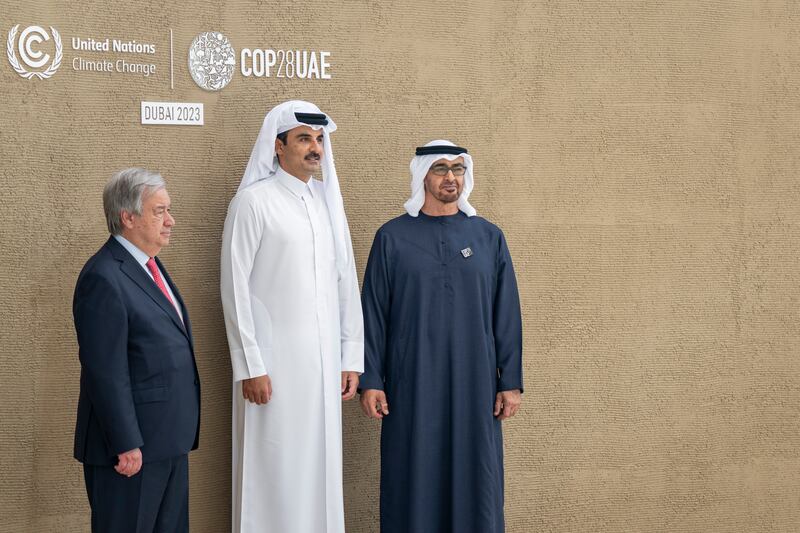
(466,252)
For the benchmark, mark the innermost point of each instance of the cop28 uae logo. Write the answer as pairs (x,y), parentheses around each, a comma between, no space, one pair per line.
(28,46)
(211,60)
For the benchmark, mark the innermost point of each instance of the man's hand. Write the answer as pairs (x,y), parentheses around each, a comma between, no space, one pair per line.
(506,404)
(373,403)
(258,390)
(349,385)
(129,463)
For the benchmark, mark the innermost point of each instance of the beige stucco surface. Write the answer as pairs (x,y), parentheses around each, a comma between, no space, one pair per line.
(641,157)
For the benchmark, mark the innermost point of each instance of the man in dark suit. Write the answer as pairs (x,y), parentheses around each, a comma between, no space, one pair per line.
(139,406)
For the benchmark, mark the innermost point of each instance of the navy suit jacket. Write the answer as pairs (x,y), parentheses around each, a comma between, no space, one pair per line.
(139,382)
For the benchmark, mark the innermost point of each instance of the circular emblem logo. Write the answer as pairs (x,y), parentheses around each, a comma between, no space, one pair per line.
(211,60)
(28,46)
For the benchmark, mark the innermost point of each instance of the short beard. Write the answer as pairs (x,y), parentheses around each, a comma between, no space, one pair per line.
(444,197)
(447,198)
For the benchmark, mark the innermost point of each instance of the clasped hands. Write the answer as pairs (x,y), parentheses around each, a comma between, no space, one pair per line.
(258,390)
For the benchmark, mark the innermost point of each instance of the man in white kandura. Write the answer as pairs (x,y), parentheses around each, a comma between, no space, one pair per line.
(295,329)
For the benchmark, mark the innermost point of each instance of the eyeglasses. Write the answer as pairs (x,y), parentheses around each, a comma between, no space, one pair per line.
(442,170)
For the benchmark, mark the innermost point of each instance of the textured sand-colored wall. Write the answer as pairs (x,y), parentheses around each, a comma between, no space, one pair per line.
(641,157)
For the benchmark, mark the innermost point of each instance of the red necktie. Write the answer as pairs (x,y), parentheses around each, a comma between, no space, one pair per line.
(151,266)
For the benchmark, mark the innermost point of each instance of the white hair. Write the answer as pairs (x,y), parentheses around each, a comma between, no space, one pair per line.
(125,191)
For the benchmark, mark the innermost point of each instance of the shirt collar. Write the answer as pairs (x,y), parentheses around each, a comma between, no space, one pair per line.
(295,185)
(134,250)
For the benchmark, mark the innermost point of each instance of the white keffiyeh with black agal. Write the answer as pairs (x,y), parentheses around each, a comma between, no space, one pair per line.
(428,155)
(263,164)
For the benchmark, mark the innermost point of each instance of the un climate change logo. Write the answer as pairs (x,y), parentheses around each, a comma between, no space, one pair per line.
(211,60)
(33,58)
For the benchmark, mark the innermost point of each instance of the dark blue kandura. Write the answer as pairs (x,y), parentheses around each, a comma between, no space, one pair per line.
(443,335)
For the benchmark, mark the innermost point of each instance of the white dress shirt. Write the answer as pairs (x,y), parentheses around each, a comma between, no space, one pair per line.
(142,258)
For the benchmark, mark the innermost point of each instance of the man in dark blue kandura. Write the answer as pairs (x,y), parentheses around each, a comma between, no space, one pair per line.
(443,341)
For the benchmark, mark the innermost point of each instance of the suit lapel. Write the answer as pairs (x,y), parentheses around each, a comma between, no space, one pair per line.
(176,293)
(136,273)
